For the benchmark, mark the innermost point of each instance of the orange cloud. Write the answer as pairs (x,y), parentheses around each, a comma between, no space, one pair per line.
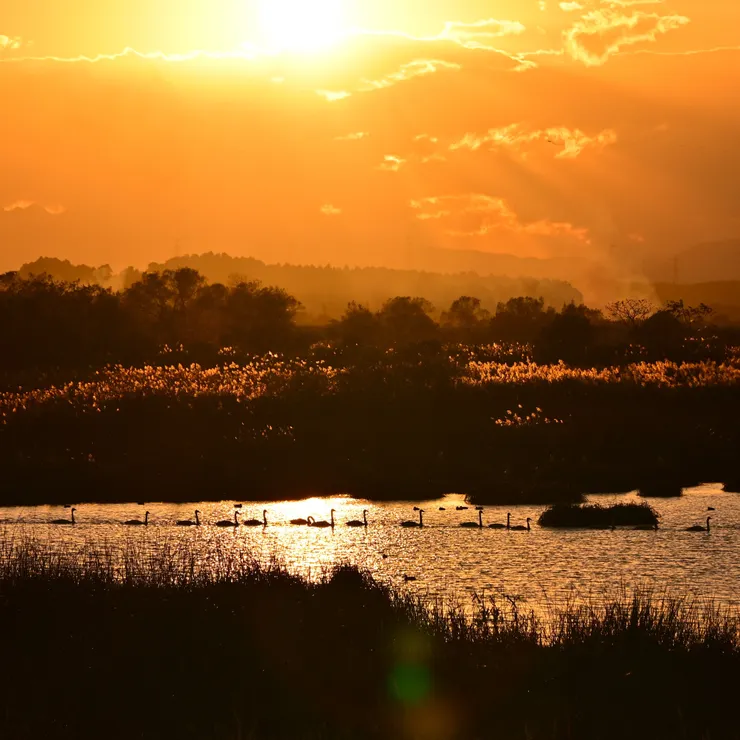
(330,210)
(417,68)
(473,35)
(573,141)
(22,205)
(355,136)
(478,215)
(331,96)
(601,33)
(10,43)
(391,163)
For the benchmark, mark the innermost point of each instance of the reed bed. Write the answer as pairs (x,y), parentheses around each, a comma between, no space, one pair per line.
(169,646)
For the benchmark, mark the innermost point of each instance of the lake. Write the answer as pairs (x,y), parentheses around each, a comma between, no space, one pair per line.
(447,561)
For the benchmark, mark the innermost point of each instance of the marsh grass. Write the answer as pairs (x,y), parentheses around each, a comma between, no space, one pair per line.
(167,643)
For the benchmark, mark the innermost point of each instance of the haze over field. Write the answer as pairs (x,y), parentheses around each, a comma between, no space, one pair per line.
(373,133)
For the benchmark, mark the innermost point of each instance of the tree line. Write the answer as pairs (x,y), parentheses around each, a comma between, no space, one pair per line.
(47,325)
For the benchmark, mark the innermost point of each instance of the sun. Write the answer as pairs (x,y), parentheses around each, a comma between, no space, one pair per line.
(301,25)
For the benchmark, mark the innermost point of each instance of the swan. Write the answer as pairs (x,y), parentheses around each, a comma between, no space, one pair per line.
(521,527)
(324,523)
(496,525)
(190,522)
(228,522)
(357,523)
(420,523)
(65,521)
(299,521)
(442,508)
(257,522)
(138,522)
(478,524)
(479,508)
(461,508)
(416,508)
(698,527)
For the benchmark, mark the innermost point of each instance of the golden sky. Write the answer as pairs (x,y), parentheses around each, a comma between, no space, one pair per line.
(345,130)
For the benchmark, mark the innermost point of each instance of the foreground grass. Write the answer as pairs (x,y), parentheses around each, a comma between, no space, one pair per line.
(165,645)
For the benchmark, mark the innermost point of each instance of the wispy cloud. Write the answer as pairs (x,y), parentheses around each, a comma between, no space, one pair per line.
(572,141)
(329,209)
(10,42)
(23,205)
(391,163)
(479,34)
(601,33)
(479,215)
(417,68)
(354,136)
(332,96)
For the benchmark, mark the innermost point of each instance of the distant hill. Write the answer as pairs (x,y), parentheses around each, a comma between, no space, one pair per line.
(326,291)
(702,263)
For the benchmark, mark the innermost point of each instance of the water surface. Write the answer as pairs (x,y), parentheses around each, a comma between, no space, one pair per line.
(447,560)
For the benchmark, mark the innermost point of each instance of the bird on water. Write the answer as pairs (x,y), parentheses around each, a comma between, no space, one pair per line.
(257,522)
(497,525)
(475,525)
(66,521)
(411,523)
(698,527)
(323,524)
(138,522)
(357,522)
(190,522)
(521,527)
(228,522)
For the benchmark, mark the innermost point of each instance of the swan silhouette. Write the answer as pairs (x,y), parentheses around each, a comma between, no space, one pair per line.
(65,521)
(228,522)
(138,522)
(299,521)
(478,524)
(412,523)
(257,522)
(190,522)
(521,527)
(698,527)
(461,508)
(357,522)
(496,525)
(324,524)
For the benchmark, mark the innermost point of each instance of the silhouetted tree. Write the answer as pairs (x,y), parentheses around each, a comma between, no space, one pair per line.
(406,321)
(520,319)
(631,311)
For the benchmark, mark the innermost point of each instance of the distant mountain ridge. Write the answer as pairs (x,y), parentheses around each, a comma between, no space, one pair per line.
(326,291)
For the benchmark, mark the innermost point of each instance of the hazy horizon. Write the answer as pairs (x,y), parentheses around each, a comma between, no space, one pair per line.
(591,132)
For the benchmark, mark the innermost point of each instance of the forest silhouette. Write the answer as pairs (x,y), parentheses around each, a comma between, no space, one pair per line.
(196,390)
